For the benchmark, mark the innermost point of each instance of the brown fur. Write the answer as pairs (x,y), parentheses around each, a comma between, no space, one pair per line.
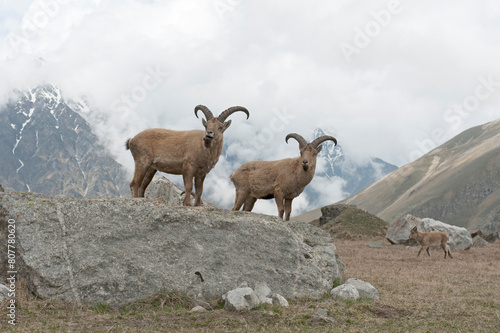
(428,239)
(282,180)
(191,154)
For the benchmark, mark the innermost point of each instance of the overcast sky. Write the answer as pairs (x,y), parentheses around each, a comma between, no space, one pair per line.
(391,79)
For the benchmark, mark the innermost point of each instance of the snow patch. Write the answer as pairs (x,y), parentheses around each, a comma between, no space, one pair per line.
(22,164)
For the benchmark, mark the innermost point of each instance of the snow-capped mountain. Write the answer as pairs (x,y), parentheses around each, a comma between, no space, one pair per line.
(49,148)
(356,176)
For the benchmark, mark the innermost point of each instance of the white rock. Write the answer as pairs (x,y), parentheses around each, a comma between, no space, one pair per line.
(198,309)
(365,289)
(4,292)
(345,292)
(279,300)
(263,291)
(241,299)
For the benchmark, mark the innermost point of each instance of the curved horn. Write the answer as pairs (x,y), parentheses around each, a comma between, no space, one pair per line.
(302,142)
(222,117)
(208,114)
(316,142)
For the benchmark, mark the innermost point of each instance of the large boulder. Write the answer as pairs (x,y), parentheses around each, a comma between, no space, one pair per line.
(399,232)
(116,251)
(460,238)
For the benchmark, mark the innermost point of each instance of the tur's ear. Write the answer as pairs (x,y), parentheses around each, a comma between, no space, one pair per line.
(414,228)
(204,122)
(319,149)
(227,124)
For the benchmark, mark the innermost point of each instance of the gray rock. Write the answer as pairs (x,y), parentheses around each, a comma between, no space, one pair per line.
(279,300)
(399,232)
(162,189)
(263,292)
(345,292)
(321,317)
(241,299)
(479,242)
(365,289)
(4,292)
(1,188)
(460,238)
(198,308)
(117,251)
(374,245)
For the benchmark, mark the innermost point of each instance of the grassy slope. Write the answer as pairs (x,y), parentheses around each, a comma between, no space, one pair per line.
(354,223)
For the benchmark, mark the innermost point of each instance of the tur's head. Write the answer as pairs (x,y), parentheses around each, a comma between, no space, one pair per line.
(309,151)
(413,233)
(215,126)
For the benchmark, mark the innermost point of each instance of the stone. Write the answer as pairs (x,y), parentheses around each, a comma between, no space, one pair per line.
(162,189)
(118,251)
(321,317)
(399,232)
(198,308)
(365,289)
(345,292)
(4,292)
(241,299)
(374,245)
(460,238)
(263,292)
(479,242)
(279,300)
(1,188)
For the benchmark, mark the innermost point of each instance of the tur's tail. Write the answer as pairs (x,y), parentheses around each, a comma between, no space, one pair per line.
(127,147)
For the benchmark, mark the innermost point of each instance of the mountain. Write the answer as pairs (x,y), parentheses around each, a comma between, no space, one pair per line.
(47,147)
(356,175)
(457,183)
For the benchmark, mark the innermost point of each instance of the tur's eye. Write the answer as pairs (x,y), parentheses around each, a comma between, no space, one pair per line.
(220,128)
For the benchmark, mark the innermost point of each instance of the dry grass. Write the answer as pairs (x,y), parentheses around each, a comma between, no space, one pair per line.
(416,295)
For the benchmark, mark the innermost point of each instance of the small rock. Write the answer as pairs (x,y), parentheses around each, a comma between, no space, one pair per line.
(345,292)
(321,317)
(374,245)
(479,242)
(263,291)
(279,300)
(365,289)
(200,301)
(4,292)
(241,299)
(198,309)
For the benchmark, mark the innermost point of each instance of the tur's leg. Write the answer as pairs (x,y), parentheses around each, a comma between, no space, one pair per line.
(420,251)
(288,209)
(187,176)
(239,200)
(140,171)
(147,179)
(280,198)
(249,203)
(198,186)
(427,249)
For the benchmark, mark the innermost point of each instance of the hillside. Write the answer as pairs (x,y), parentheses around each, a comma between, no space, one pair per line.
(457,183)
(350,222)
